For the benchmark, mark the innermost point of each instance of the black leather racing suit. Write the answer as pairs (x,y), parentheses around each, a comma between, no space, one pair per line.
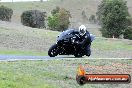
(86,42)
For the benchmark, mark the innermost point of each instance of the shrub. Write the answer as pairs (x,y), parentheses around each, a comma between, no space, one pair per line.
(128,33)
(129,20)
(5,13)
(33,18)
(56,10)
(59,21)
(53,22)
(112,15)
(92,19)
(84,16)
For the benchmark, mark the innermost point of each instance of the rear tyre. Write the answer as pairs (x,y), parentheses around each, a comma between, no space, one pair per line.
(88,52)
(53,51)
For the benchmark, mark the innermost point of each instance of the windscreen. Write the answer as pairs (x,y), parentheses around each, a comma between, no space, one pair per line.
(64,33)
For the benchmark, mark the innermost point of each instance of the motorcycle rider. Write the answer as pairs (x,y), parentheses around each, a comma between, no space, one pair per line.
(87,38)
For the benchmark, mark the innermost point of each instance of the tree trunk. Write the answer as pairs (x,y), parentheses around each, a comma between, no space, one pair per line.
(113,36)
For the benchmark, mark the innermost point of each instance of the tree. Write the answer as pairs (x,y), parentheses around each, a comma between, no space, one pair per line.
(5,13)
(64,16)
(56,10)
(112,15)
(84,16)
(33,18)
(92,19)
(59,20)
(53,22)
(128,33)
(41,0)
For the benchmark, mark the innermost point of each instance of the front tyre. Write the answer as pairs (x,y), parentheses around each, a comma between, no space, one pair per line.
(78,55)
(53,51)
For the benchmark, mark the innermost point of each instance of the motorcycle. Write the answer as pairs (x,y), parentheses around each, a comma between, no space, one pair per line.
(67,44)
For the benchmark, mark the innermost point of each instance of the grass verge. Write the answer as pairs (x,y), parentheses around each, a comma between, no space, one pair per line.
(58,73)
(20,52)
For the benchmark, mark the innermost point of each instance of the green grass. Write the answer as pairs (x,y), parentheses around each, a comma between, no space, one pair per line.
(31,32)
(24,52)
(34,39)
(74,6)
(41,38)
(112,44)
(52,73)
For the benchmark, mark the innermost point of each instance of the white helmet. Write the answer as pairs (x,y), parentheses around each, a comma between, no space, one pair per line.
(82,30)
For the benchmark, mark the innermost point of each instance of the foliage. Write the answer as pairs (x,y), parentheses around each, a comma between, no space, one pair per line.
(84,16)
(128,33)
(33,18)
(53,22)
(129,20)
(5,13)
(112,15)
(59,20)
(41,0)
(92,19)
(56,10)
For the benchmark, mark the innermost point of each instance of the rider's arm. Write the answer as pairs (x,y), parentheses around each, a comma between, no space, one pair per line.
(92,37)
(85,40)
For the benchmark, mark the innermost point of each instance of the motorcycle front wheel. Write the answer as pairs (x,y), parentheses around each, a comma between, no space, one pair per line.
(78,55)
(53,51)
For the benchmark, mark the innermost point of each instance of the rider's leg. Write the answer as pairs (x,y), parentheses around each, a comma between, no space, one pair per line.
(88,50)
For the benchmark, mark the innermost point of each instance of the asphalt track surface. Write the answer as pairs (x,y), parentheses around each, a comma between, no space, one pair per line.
(70,57)
(21,57)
